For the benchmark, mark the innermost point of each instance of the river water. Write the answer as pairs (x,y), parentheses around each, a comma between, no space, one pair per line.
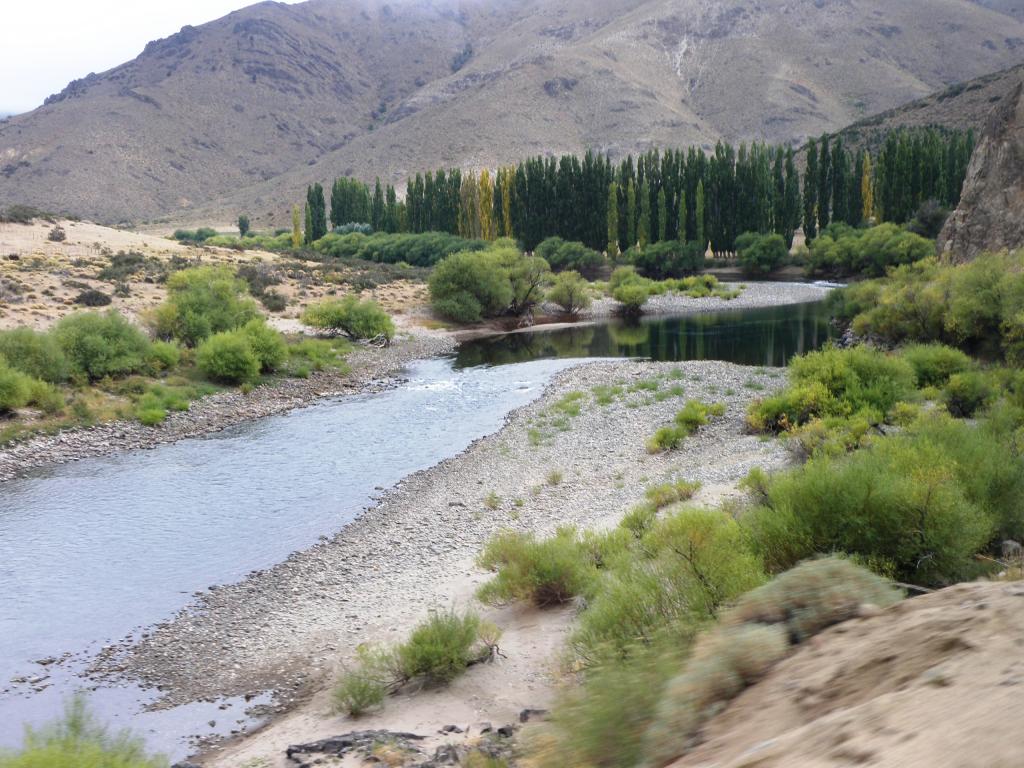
(94,551)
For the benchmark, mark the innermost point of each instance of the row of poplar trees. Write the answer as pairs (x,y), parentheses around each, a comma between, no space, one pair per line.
(670,195)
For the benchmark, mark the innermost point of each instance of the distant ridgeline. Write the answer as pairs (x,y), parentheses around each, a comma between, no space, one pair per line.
(670,195)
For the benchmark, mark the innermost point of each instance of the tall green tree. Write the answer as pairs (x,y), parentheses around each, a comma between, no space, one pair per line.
(700,235)
(662,215)
(643,226)
(316,213)
(377,208)
(824,183)
(631,217)
(613,220)
(811,192)
(681,235)
(791,192)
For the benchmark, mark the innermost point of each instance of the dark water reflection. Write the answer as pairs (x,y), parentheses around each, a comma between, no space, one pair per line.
(768,337)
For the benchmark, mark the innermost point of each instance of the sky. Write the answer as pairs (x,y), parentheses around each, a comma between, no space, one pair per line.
(45,44)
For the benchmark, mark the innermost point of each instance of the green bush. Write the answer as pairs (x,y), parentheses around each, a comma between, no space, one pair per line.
(632,296)
(468,286)
(228,357)
(37,354)
(76,741)
(843,250)
(569,256)
(365,685)
(900,503)
(933,364)
(692,417)
(684,569)
(202,301)
(966,393)
(761,254)
(15,388)
(671,493)
(440,649)
(545,572)
(420,250)
(570,292)
(99,345)
(835,382)
(163,356)
(93,298)
(356,319)
(669,258)
(267,344)
(46,397)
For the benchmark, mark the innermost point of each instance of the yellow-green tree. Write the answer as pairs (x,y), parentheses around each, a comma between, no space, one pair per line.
(867,189)
(469,207)
(296,227)
(506,177)
(487,228)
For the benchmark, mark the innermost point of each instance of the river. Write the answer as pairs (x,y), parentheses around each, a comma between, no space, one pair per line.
(97,550)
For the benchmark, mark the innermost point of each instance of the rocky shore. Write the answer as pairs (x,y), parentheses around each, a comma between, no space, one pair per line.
(372,369)
(286,628)
(754,295)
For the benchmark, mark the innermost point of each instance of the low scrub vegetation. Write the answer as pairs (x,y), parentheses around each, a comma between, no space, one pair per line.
(437,651)
(761,254)
(565,256)
(844,250)
(78,741)
(354,318)
(694,415)
(419,250)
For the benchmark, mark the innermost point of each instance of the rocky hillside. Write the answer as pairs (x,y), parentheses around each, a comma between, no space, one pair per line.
(929,682)
(990,216)
(242,112)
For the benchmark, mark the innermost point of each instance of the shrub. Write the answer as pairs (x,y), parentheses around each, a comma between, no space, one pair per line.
(202,301)
(228,357)
(570,292)
(77,741)
(692,417)
(569,256)
(37,354)
(899,503)
(843,250)
(57,234)
(440,649)
(835,382)
(266,343)
(933,364)
(46,397)
(639,519)
(356,319)
(15,389)
(99,345)
(632,296)
(420,250)
(274,301)
(965,393)
(468,286)
(545,572)
(364,686)
(163,356)
(671,493)
(669,258)
(93,298)
(761,254)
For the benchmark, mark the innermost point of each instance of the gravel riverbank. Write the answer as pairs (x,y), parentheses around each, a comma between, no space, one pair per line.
(285,628)
(372,369)
(754,295)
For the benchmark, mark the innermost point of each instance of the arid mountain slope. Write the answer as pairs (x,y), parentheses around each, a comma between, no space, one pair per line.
(211,118)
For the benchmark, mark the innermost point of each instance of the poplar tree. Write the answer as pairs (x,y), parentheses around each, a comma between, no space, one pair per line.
(681,232)
(487,231)
(643,227)
(662,215)
(867,191)
(811,192)
(839,171)
(296,227)
(308,236)
(792,195)
(824,183)
(630,215)
(613,220)
(701,235)
(377,208)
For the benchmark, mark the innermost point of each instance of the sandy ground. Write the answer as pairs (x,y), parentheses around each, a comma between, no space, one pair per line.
(39,279)
(933,681)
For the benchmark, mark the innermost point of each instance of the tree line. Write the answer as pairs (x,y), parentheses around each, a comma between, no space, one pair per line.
(692,196)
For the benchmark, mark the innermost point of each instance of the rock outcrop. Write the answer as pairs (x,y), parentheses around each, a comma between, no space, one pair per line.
(990,216)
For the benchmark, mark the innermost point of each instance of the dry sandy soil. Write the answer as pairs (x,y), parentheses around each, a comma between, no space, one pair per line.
(39,279)
(933,681)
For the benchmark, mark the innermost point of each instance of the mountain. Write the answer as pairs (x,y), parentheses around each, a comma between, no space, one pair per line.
(243,112)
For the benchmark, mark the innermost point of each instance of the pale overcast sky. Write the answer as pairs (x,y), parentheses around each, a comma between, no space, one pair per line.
(44,44)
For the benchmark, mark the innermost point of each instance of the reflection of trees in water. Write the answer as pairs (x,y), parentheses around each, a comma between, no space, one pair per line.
(752,337)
